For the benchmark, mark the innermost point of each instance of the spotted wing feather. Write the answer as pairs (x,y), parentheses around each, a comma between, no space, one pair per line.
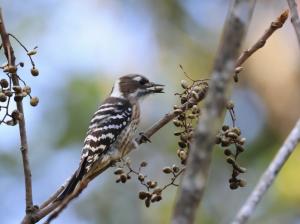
(108,122)
(111,118)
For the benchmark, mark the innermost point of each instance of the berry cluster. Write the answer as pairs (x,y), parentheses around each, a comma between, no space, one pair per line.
(152,192)
(231,136)
(188,113)
(9,89)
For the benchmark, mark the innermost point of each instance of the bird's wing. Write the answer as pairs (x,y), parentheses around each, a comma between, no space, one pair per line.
(111,118)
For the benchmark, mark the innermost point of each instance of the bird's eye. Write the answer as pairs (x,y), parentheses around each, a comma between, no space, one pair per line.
(144,81)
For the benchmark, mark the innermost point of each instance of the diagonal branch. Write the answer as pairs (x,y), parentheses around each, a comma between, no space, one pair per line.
(295,18)
(195,176)
(9,53)
(269,175)
(278,23)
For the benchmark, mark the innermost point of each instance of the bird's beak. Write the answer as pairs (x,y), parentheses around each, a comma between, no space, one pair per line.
(155,88)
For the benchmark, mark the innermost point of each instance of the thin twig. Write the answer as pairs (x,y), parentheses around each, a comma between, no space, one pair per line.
(9,53)
(23,46)
(173,179)
(278,23)
(269,175)
(195,175)
(295,18)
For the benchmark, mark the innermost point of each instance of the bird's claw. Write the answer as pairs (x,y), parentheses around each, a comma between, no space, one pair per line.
(143,138)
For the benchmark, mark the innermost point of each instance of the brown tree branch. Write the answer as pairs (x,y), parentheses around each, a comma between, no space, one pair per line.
(9,53)
(295,18)
(269,175)
(195,176)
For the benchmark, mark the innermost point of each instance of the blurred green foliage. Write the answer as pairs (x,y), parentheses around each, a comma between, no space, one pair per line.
(80,98)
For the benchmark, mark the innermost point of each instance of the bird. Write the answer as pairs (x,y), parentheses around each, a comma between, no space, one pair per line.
(112,129)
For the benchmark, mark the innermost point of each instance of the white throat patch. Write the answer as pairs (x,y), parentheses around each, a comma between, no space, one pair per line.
(116,90)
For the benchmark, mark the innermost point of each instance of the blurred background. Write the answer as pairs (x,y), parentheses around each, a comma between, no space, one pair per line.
(83,46)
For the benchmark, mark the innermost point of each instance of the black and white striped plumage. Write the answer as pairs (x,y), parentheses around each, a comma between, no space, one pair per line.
(110,135)
(112,117)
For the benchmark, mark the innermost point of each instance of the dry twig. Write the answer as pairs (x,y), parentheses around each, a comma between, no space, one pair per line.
(278,23)
(269,175)
(9,53)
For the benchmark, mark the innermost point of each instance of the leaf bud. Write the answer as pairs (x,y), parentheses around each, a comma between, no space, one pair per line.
(118,171)
(4,83)
(143,164)
(230,160)
(183,100)
(227,152)
(34,101)
(142,195)
(123,178)
(183,155)
(225,127)
(236,130)
(177,123)
(242,140)
(239,148)
(182,144)
(8,93)
(147,202)
(230,105)
(233,186)
(152,184)
(175,168)
(27,89)
(34,71)
(167,170)
(184,84)
(232,135)
(32,52)
(178,111)
(141,177)
(225,142)
(157,191)
(242,183)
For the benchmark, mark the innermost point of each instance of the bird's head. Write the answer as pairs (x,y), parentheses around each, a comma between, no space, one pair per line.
(135,87)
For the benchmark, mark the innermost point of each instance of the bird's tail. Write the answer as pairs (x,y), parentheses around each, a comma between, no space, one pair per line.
(72,183)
